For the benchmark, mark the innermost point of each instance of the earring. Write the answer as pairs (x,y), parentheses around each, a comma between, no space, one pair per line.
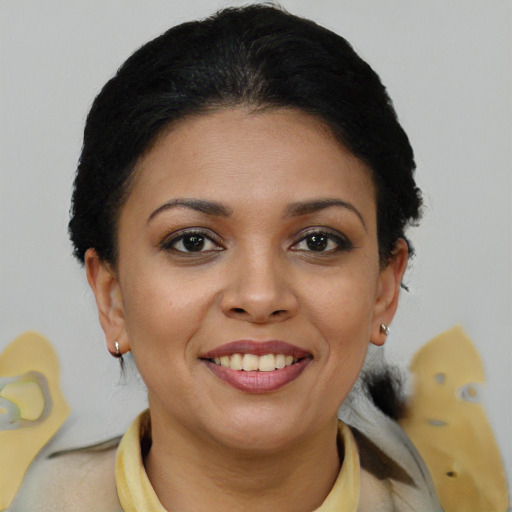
(384,329)
(117,354)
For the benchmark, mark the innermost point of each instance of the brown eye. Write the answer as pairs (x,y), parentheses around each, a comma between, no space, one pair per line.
(317,242)
(191,242)
(322,242)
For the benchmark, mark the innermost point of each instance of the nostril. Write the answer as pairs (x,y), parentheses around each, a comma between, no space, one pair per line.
(238,310)
(278,312)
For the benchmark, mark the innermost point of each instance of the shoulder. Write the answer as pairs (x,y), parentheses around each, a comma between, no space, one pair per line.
(392,470)
(387,485)
(74,481)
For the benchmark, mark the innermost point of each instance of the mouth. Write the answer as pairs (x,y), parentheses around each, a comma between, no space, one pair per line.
(257,367)
(252,362)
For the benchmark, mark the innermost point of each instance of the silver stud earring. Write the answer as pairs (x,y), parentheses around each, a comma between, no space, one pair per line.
(117,354)
(384,329)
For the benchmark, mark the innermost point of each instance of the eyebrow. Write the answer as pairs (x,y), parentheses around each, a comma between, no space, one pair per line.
(316,205)
(199,205)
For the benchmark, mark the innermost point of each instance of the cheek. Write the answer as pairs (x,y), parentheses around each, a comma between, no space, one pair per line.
(342,313)
(344,306)
(163,309)
(342,316)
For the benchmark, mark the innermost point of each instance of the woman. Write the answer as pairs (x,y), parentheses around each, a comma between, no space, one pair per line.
(240,207)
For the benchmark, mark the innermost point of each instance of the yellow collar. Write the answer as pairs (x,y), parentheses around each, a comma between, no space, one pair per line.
(136,494)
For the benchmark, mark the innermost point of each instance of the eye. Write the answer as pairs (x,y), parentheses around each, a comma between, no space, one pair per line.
(191,242)
(322,242)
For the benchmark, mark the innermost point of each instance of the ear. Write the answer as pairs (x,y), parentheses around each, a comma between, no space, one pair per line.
(105,285)
(390,280)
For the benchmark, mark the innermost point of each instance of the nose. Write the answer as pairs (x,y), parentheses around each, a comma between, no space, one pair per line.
(258,290)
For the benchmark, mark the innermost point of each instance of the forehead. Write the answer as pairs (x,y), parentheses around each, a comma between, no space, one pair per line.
(250,158)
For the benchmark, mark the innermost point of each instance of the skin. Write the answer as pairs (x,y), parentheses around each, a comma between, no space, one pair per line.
(258,279)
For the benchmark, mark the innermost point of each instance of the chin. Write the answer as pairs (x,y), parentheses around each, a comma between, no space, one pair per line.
(260,429)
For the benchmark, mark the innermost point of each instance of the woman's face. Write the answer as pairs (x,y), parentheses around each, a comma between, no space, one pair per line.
(248,283)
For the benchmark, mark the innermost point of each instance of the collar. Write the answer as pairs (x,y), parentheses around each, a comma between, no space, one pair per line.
(137,495)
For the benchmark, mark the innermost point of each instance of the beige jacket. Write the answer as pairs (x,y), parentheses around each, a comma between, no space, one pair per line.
(393,476)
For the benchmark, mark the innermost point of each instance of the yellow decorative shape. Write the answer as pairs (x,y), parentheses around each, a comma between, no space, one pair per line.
(30,367)
(448,425)
(28,396)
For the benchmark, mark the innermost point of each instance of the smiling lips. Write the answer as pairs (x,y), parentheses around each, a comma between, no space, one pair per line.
(252,362)
(257,367)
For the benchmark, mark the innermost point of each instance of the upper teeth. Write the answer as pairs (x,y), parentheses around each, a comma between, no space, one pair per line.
(248,362)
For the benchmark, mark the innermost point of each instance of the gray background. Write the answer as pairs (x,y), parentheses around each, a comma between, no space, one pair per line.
(447,65)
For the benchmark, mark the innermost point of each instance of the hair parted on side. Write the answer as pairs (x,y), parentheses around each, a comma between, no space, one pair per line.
(258,57)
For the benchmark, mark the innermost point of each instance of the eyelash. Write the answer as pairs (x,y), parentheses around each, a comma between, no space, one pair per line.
(341,242)
(169,243)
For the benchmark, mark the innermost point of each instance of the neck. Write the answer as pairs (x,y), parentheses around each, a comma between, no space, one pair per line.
(191,474)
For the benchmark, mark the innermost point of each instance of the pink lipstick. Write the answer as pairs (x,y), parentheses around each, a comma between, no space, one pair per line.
(257,367)
(257,348)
